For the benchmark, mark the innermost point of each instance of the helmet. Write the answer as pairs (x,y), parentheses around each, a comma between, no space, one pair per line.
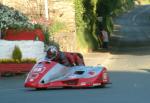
(52,52)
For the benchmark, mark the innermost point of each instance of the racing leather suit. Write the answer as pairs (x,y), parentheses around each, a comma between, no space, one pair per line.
(60,58)
(67,59)
(74,59)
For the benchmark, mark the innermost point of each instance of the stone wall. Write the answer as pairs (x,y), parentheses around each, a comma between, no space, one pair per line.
(63,10)
(32,8)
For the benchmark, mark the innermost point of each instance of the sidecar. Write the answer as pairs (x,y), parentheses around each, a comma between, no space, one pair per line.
(49,74)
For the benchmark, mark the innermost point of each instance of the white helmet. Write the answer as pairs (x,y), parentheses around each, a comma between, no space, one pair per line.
(52,52)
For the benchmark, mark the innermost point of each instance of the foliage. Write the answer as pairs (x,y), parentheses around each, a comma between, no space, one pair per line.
(56,27)
(85,23)
(10,18)
(46,35)
(38,26)
(17,54)
(45,31)
(109,8)
(27,60)
(79,22)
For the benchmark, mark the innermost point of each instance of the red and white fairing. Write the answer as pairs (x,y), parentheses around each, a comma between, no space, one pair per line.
(49,74)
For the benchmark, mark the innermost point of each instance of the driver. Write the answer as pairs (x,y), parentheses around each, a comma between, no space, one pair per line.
(63,58)
(55,55)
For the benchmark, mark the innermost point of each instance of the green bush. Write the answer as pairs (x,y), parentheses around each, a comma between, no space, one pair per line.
(38,26)
(17,54)
(45,31)
(85,24)
(47,36)
(27,60)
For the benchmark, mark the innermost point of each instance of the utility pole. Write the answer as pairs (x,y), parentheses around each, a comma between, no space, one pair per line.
(46,9)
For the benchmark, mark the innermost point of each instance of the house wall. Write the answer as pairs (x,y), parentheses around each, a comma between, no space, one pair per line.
(29,49)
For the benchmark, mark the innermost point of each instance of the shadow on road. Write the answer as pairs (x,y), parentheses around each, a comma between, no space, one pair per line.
(140,51)
(66,89)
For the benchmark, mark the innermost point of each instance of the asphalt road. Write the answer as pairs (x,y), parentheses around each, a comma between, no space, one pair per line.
(133,28)
(128,67)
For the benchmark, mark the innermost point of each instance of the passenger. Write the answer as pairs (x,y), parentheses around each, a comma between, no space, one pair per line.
(74,59)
